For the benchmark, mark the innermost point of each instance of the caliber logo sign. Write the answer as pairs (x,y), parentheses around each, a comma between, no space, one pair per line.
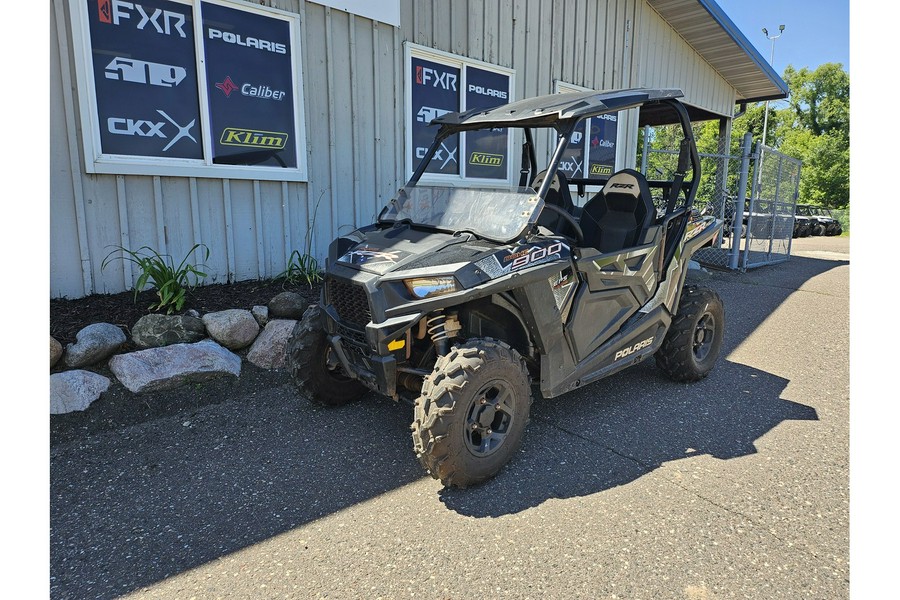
(483,158)
(251,138)
(227,86)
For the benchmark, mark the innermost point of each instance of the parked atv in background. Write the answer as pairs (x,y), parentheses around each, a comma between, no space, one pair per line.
(821,221)
(459,299)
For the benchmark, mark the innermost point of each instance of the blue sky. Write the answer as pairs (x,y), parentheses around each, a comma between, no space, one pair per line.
(816,31)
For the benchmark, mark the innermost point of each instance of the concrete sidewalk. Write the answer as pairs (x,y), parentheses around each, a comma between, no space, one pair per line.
(632,487)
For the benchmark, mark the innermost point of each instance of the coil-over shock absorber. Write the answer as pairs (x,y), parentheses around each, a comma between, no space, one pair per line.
(435,325)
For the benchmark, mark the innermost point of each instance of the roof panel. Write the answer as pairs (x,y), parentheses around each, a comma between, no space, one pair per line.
(706,28)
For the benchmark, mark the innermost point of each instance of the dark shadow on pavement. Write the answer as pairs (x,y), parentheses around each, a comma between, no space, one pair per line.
(222,466)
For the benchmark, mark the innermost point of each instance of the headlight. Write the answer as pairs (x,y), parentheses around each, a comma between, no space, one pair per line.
(427,287)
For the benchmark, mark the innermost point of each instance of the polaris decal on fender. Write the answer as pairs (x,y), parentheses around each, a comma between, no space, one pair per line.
(632,349)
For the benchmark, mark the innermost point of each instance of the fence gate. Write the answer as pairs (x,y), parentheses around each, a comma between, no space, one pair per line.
(757,231)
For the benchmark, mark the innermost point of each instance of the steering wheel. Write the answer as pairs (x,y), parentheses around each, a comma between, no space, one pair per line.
(579,234)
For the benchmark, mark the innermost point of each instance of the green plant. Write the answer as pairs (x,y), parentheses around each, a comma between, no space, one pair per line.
(301,268)
(159,270)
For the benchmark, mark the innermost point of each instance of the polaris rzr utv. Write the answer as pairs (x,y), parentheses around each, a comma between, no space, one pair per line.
(459,299)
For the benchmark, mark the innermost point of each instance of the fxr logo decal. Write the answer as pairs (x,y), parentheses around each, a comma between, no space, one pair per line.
(164,21)
(441,79)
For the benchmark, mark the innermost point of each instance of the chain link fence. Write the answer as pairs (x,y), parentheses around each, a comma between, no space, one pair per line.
(757,230)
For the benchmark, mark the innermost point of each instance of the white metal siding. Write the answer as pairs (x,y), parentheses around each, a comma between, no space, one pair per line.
(353,78)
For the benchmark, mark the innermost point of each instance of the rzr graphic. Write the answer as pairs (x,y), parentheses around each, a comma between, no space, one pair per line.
(459,297)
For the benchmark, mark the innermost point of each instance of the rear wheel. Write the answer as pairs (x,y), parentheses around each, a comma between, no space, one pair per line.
(471,415)
(314,367)
(694,340)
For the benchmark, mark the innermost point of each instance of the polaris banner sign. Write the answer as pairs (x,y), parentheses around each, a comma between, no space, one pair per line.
(249,79)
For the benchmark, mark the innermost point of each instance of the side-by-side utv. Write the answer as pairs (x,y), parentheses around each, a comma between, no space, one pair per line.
(459,299)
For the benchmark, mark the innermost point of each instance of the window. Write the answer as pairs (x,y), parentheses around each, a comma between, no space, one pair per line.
(438,83)
(197,88)
(593,149)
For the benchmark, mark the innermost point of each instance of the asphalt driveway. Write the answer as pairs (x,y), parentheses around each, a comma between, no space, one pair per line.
(632,487)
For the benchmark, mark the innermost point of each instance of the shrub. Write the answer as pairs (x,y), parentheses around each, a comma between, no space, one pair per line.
(159,270)
(301,268)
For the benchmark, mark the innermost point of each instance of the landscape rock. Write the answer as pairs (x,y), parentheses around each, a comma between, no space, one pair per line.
(192,313)
(56,351)
(268,351)
(153,331)
(93,344)
(287,305)
(172,366)
(234,328)
(261,314)
(75,390)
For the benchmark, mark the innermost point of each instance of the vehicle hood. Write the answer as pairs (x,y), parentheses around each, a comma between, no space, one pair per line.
(402,248)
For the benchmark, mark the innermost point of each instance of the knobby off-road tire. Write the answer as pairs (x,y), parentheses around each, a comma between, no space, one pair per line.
(307,355)
(471,415)
(694,340)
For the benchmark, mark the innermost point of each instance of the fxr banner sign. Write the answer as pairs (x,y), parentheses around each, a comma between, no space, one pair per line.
(438,83)
(144,100)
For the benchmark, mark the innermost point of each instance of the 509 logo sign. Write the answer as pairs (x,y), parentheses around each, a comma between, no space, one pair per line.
(142,71)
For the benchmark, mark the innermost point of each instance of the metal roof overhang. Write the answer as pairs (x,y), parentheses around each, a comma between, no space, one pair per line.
(705,26)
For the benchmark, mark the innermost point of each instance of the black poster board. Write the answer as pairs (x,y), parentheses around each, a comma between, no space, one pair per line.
(602,145)
(145,77)
(249,75)
(435,92)
(487,150)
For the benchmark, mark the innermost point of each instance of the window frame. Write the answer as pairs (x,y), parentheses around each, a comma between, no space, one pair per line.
(120,164)
(412,50)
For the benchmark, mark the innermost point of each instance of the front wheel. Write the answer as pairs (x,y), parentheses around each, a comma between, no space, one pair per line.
(314,366)
(471,415)
(694,340)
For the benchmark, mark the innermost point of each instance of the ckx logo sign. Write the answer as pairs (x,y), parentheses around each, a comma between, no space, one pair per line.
(167,22)
(147,128)
(441,79)
(443,153)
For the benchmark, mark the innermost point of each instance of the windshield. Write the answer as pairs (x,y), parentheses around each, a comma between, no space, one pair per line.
(500,215)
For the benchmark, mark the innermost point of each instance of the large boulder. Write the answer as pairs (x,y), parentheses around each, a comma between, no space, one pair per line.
(93,344)
(287,305)
(169,367)
(234,328)
(56,351)
(75,390)
(268,351)
(153,331)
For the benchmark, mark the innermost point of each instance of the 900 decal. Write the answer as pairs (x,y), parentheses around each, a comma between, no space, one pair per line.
(506,261)
(533,255)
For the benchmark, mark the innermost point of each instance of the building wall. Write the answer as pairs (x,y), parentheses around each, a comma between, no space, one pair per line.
(353,78)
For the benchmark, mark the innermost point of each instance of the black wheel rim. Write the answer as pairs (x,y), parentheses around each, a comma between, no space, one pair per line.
(489,418)
(704,333)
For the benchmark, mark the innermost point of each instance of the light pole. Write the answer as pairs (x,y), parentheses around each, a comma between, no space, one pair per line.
(771,62)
